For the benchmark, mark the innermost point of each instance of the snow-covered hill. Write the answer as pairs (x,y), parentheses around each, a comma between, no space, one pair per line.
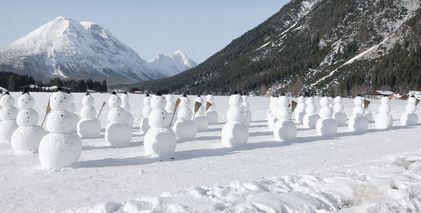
(78,50)
(171,65)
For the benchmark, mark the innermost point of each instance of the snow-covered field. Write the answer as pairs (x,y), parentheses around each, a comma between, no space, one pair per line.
(379,171)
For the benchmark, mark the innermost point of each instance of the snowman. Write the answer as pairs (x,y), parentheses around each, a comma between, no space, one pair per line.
(410,117)
(367,113)
(199,115)
(383,119)
(144,122)
(234,133)
(284,128)
(300,110)
(117,133)
(311,117)
(184,128)
(27,137)
(326,126)
(89,126)
(72,107)
(169,106)
(125,104)
(8,115)
(358,122)
(246,110)
(61,147)
(160,140)
(211,114)
(270,114)
(338,112)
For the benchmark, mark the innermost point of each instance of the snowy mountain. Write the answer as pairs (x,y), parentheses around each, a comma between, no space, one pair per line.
(172,65)
(68,49)
(316,46)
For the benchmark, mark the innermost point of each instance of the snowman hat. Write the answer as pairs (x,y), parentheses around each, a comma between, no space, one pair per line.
(25,92)
(68,92)
(235,93)
(113,93)
(125,92)
(59,89)
(283,94)
(210,93)
(88,94)
(6,93)
(158,94)
(147,95)
(184,95)
(198,95)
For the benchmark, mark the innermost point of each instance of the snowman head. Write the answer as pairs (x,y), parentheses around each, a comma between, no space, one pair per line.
(309,101)
(27,117)
(198,99)
(70,96)
(283,101)
(125,97)
(235,99)
(338,100)
(60,101)
(184,101)
(358,101)
(300,99)
(88,100)
(324,102)
(245,98)
(25,101)
(412,100)
(117,114)
(114,100)
(88,112)
(8,113)
(384,100)
(60,121)
(7,100)
(158,118)
(158,101)
(147,100)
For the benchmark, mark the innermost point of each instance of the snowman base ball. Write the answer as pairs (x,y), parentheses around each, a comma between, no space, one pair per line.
(212,117)
(340,118)
(59,150)
(118,134)
(383,121)
(144,125)
(26,139)
(327,127)
(358,124)
(7,127)
(202,123)
(234,134)
(89,128)
(160,142)
(310,121)
(284,130)
(409,119)
(185,130)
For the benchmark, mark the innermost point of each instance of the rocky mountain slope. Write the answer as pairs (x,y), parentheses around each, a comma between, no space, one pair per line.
(171,65)
(68,49)
(316,46)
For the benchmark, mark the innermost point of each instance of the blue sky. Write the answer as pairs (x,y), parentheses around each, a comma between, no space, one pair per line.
(198,27)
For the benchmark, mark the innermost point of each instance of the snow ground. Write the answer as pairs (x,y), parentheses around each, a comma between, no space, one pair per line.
(375,171)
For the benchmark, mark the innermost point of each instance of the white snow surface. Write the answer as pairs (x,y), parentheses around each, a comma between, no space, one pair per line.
(379,171)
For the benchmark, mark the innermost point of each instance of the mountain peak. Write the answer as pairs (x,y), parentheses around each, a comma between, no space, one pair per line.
(172,65)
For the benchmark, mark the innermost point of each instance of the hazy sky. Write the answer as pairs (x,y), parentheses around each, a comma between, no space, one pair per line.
(198,27)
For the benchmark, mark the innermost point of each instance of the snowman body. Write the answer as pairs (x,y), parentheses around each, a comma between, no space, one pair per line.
(383,119)
(125,104)
(358,122)
(245,106)
(284,128)
(170,105)
(88,126)
(311,117)
(326,126)
(160,140)
(118,132)
(8,115)
(300,110)
(211,114)
(200,116)
(144,122)
(410,117)
(234,133)
(184,128)
(270,114)
(338,112)
(61,147)
(27,137)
